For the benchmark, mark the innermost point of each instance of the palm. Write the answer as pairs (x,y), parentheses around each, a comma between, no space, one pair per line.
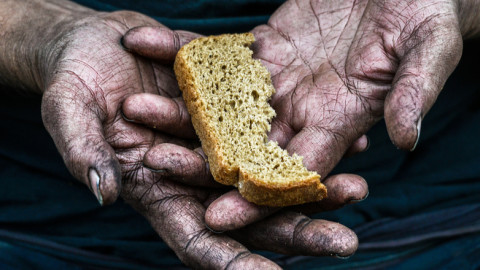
(333,65)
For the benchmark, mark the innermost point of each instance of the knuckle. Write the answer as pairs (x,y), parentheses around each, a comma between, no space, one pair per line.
(299,231)
(195,242)
(125,16)
(232,264)
(181,112)
(80,154)
(125,13)
(176,42)
(410,90)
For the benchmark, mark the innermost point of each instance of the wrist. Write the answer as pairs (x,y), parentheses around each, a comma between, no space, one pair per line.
(469,18)
(30,33)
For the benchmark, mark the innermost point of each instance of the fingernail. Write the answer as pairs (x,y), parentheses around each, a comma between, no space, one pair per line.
(419,126)
(155,170)
(342,257)
(199,151)
(126,118)
(368,144)
(94,179)
(212,230)
(122,43)
(361,199)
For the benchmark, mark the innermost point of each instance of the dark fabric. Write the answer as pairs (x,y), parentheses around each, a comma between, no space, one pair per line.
(422,212)
(201,16)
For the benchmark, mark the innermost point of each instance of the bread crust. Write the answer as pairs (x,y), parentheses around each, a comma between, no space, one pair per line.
(221,171)
(306,190)
(252,189)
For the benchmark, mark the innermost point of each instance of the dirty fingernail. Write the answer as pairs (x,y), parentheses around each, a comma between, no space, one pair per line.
(368,145)
(419,126)
(361,199)
(94,179)
(126,118)
(155,170)
(212,230)
(342,257)
(199,151)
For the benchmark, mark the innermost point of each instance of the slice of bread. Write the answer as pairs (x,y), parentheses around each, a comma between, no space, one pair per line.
(226,92)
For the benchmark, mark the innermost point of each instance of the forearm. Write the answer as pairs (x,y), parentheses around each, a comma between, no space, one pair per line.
(469,18)
(27,28)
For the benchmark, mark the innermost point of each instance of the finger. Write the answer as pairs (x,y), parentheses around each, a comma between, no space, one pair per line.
(296,234)
(78,135)
(165,81)
(424,67)
(342,189)
(161,113)
(280,132)
(178,219)
(328,119)
(231,211)
(158,43)
(427,56)
(179,163)
(321,148)
(360,145)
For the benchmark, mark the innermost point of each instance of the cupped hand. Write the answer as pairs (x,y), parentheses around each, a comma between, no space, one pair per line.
(340,66)
(87,77)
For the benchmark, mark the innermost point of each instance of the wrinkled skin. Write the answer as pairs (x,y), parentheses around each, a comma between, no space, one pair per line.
(339,67)
(81,110)
(346,64)
(92,79)
(86,75)
(89,79)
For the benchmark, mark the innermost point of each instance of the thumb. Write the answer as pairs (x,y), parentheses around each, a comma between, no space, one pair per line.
(424,67)
(77,132)
(156,42)
(168,115)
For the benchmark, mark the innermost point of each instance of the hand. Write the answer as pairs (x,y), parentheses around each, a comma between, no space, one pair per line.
(339,67)
(334,239)
(81,108)
(87,81)
(345,65)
